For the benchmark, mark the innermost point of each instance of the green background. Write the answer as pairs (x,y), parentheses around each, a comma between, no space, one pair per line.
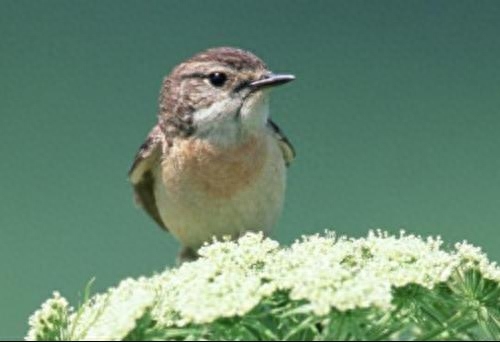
(394,115)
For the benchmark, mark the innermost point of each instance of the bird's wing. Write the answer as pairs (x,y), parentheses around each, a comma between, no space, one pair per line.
(141,174)
(285,145)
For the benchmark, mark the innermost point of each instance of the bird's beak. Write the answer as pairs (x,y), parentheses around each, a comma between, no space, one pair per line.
(271,80)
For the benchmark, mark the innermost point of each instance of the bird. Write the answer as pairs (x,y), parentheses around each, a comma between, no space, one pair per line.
(215,164)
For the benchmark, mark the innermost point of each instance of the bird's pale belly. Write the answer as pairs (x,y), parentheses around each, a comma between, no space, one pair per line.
(203,191)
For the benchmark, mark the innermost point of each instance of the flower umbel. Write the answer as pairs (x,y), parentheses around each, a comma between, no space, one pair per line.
(380,287)
(51,321)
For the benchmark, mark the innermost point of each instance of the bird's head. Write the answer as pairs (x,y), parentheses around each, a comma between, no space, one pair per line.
(221,93)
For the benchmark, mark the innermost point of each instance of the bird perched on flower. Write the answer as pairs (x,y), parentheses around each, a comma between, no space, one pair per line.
(215,163)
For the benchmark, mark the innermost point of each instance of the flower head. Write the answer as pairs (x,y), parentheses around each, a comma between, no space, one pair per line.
(318,273)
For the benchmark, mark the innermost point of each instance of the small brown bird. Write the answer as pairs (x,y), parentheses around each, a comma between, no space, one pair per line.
(215,164)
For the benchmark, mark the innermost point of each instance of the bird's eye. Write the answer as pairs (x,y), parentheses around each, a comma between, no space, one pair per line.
(217,79)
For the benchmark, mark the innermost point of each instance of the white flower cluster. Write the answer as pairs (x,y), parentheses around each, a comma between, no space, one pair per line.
(472,257)
(233,277)
(49,320)
(111,316)
(225,282)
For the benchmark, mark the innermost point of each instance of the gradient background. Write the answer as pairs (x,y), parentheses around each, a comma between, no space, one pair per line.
(394,115)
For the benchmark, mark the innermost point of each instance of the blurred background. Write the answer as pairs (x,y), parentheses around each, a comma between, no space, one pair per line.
(394,115)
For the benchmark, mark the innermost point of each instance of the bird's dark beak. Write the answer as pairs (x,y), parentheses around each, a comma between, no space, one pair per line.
(271,80)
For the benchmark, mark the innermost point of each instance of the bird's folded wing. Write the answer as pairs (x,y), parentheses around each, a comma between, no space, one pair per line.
(285,145)
(141,174)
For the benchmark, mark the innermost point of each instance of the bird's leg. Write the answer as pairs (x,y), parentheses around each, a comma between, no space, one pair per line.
(187,254)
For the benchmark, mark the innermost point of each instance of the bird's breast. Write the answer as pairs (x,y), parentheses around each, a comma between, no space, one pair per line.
(203,191)
(218,172)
